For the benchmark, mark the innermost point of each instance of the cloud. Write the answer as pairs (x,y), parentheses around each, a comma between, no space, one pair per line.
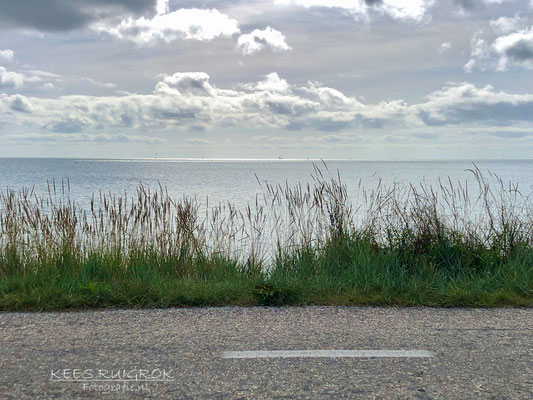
(510,46)
(480,52)
(82,138)
(20,103)
(396,9)
(478,4)
(15,79)
(7,55)
(10,78)
(444,47)
(143,23)
(99,84)
(406,9)
(189,101)
(189,24)
(271,83)
(61,15)
(194,83)
(257,40)
(198,142)
(515,49)
(505,25)
(162,7)
(510,135)
(466,103)
(68,125)
(43,74)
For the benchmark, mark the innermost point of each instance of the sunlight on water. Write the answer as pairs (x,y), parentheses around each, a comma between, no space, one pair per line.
(236,181)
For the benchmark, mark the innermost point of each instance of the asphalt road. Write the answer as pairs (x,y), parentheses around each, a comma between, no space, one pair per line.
(186,354)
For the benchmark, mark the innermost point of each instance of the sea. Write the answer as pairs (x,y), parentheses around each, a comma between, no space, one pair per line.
(240,181)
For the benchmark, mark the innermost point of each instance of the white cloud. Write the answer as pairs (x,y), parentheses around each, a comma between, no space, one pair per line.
(189,24)
(444,47)
(7,55)
(13,79)
(271,83)
(190,102)
(43,74)
(190,83)
(397,9)
(414,9)
(162,7)
(10,78)
(330,97)
(480,51)
(198,141)
(466,103)
(17,79)
(257,40)
(505,25)
(513,49)
(82,138)
(99,84)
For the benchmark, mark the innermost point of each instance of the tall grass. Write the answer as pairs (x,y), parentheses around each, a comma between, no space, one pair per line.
(303,244)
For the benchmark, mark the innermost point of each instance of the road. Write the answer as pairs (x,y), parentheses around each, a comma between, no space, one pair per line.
(268,353)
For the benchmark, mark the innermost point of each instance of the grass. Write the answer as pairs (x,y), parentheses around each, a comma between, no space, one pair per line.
(448,246)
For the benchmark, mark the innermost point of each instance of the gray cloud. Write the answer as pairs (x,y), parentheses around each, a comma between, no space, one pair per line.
(412,9)
(17,79)
(67,126)
(467,103)
(20,104)
(82,138)
(476,5)
(198,142)
(189,102)
(511,135)
(199,24)
(510,45)
(502,133)
(65,15)
(521,50)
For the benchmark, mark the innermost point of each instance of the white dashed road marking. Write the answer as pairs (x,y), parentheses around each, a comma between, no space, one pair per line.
(328,354)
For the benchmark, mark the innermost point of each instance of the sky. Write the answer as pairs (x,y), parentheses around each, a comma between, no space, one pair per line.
(354,79)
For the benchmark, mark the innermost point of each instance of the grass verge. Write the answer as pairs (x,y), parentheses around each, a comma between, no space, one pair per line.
(298,246)
(352,272)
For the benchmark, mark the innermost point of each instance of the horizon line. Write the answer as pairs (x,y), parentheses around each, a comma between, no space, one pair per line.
(261,159)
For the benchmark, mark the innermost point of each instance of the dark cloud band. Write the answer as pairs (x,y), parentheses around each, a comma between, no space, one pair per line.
(65,15)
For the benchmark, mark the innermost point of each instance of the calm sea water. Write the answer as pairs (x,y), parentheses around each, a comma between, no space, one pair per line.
(235,180)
